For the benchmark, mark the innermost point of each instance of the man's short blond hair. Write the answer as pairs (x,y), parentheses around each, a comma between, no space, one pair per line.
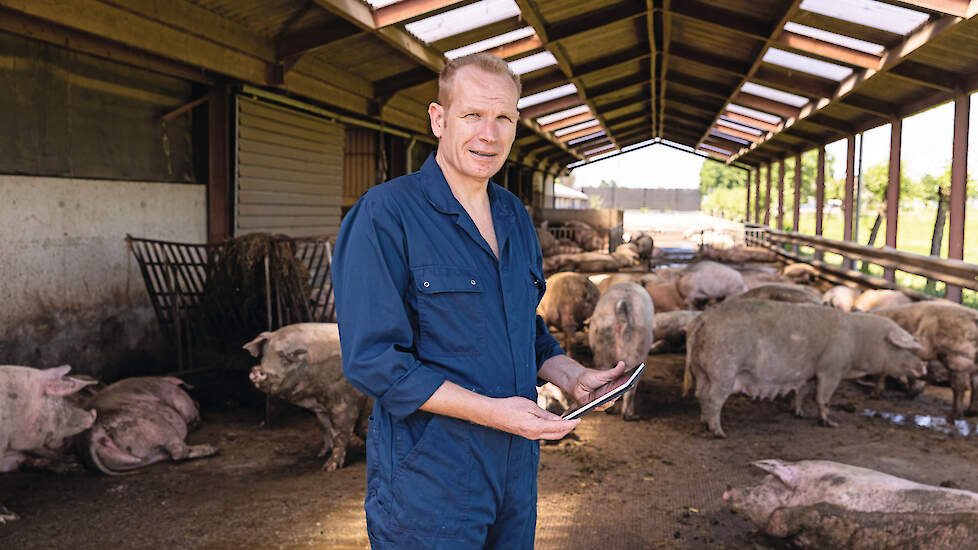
(483,61)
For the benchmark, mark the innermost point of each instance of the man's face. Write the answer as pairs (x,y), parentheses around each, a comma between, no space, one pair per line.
(477,128)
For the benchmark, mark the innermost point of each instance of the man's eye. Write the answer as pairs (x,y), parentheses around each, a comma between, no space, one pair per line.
(506,118)
(472,115)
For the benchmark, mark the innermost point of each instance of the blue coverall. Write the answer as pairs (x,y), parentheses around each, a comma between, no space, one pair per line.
(421,299)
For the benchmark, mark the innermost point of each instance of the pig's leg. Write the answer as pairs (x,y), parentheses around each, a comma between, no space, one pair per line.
(6,515)
(824,388)
(880,385)
(178,450)
(323,416)
(800,395)
(344,417)
(959,384)
(628,406)
(973,407)
(710,407)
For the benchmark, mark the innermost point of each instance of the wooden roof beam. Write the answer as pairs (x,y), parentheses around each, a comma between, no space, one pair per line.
(847,28)
(516,47)
(691,101)
(627,102)
(585,70)
(797,83)
(479,34)
(662,63)
(580,133)
(827,50)
(737,132)
(650,18)
(310,40)
(408,9)
(587,22)
(385,88)
(764,104)
(957,8)
(926,75)
(552,106)
(687,109)
(703,86)
(712,60)
(871,105)
(750,121)
(723,19)
(549,80)
(565,122)
(614,86)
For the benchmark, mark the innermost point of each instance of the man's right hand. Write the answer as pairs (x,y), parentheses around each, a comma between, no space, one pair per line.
(520,416)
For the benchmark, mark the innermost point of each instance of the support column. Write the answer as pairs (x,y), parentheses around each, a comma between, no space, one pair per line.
(747,207)
(819,196)
(219,206)
(767,197)
(847,205)
(796,208)
(757,197)
(781,195)
(893,191)
(959,186)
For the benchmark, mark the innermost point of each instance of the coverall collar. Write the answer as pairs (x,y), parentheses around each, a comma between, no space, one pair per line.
(439,194)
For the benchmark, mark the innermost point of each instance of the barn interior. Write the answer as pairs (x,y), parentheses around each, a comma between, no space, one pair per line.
(139,138)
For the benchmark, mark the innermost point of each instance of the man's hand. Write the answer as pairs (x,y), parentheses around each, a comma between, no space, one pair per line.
(520,416)
(582,383)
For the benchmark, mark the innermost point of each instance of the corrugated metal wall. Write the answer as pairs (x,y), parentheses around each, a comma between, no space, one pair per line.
(359,163)
(289,171)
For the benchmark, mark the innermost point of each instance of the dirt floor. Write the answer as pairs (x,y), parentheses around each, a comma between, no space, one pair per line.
(654,483)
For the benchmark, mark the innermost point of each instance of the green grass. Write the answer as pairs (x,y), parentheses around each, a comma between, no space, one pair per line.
(914,232)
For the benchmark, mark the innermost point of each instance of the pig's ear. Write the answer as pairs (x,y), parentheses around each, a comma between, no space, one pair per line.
(256,346)
(621,312)
(65,386)
(779,470)
(58,372)
(902,339)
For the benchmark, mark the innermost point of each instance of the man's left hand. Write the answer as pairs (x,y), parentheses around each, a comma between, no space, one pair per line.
(592,384)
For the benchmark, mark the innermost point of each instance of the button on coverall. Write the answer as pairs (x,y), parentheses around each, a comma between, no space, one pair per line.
(421,299)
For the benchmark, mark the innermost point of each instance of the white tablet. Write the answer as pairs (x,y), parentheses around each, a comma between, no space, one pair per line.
(610,396)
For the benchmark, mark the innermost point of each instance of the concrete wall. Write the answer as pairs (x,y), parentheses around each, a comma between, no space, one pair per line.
(70,290)
(680,200)
(599,219)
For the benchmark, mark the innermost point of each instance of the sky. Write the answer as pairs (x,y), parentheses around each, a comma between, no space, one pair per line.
(926,148)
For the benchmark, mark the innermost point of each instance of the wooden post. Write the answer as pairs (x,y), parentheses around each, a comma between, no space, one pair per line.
(847,205)
(959,186)
(796,208)
(819,197)
(781,195)
(219,222)
(757,197)
(747,208)
(767,197)
(893,191)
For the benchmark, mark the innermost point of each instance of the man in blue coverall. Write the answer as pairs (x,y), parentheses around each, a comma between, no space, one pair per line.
(437,276)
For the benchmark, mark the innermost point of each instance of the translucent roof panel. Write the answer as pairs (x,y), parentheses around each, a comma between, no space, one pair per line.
(462,19)
(728,137)
(377,4)
(599,149)
(774,95)
(717,149)
(731,124)
(552,93)
(585,138)
(559,115)
(869,13)
(833,38)
(484,45)
(806,64)
(533,62)
(575,128)
(759,115)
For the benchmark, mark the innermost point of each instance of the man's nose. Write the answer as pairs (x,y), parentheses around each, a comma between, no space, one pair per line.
(488,131)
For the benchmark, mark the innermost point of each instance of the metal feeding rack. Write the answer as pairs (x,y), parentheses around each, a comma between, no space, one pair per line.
(181,279)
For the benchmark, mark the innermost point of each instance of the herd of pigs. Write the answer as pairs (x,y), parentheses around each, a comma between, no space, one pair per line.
(746,327)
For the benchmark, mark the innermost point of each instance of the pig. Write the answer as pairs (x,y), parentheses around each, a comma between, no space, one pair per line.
(608,281)
(764,349)
(755,277)
(824,504)
(621,329)
(665,296)
(643,244)
(302,364)
(548,244)
(800,273)
(948,334)
(669,329)
(141,421)
(708,282)
(841,297)
(585,236)
(626,255)
(783,292)
(37,420)
(737,254)
(568,302)
(873,299)
(553,399)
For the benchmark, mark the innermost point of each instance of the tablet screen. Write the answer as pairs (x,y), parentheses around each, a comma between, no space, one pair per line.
(610,396)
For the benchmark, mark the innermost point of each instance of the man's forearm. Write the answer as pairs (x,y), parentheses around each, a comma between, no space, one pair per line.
(450,399)
(562,371)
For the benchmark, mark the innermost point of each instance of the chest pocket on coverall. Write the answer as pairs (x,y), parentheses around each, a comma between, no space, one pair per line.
(451,315)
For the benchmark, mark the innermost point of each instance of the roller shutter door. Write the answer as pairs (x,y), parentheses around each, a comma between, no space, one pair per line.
(288,171)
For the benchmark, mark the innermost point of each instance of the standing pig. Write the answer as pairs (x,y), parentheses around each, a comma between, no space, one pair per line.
(36,419)
(568,302)
(823,504)
(875,299)
(783,292)
(948,334)
(841,297)
(141,421)
(709,282)
(765,349)
(621,330)
(302,364)
(670,330)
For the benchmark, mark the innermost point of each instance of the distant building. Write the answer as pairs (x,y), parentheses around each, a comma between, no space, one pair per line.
(568,197)
(636,198)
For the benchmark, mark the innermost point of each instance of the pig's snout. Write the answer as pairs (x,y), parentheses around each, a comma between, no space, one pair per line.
(257,375)
(726,496)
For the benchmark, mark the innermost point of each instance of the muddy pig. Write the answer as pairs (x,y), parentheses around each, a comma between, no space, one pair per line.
(303,365)
(709,282)
(141,421)
(841,297)
(948,334)
(670,330)
(765,349)
(874,299)
(800,273)
(621,329)
(783,292)
(568,302)
(823,504)
(36,419)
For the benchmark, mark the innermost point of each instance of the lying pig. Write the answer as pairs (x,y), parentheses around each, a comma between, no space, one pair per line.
(823,504)
(948,334)
(670,330)
(783,292)
(302,364)
(605,281)
(665,296)
(553,399)
(621,329)
(841,297)
(737,254)
(568,302)
(36,419)
(584,235)
(874,299)
(764,349)
(800,273)
(141,421)
(709,282)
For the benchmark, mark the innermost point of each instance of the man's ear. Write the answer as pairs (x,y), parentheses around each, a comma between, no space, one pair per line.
(437,115)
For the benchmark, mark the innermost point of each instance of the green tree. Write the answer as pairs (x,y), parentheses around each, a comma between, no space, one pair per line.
(608,183)
(715,175)
(876,178)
